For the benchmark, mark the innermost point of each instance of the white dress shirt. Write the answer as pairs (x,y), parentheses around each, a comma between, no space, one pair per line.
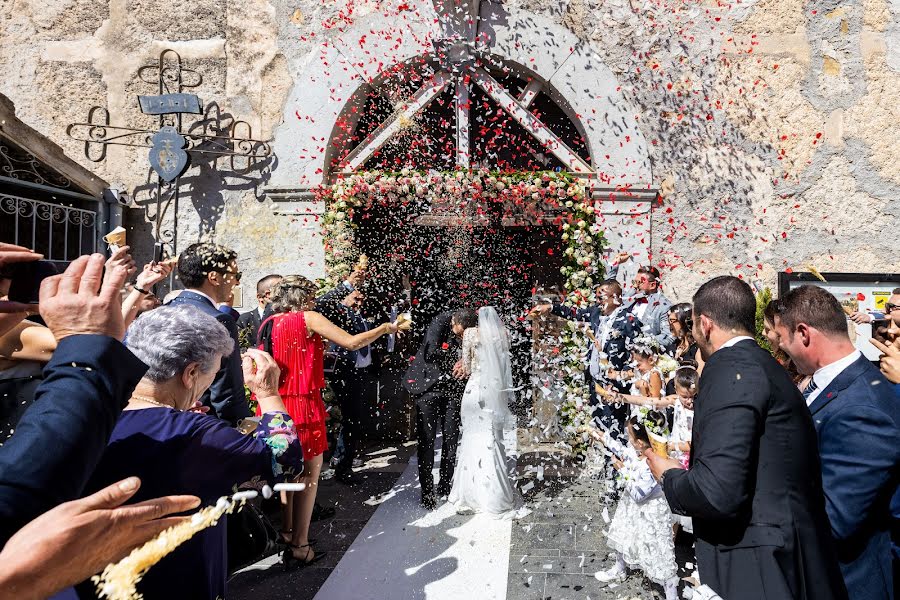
(824,376)
(211,301)
(735,340)
(262,312)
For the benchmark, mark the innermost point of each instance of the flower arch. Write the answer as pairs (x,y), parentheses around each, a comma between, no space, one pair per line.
(536,197)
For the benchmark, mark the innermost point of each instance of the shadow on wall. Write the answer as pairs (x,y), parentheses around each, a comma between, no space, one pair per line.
(207,179)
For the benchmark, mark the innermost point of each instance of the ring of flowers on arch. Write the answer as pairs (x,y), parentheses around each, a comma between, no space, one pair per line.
(537,196)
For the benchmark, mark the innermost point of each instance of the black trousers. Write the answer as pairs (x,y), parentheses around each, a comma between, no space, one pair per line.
(350,386)
(609,416)
(437,410)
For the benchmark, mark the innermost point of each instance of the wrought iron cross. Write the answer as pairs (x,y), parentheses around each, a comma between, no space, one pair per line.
(171,146)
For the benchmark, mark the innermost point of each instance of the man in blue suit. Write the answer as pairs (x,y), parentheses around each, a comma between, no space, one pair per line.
(209,273)
(87,382)
(857,418)
(612,327)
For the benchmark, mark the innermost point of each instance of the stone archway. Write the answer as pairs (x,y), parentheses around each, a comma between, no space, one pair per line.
(562,65)
(343,69)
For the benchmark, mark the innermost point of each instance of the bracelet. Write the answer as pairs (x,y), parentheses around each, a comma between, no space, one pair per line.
(142,291)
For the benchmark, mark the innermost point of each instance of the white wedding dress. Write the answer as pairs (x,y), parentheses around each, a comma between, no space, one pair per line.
(481,482)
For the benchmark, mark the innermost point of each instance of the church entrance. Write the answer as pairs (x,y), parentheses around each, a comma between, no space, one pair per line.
(430,263)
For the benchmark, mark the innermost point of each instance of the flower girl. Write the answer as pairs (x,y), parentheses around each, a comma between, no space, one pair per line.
(641,530)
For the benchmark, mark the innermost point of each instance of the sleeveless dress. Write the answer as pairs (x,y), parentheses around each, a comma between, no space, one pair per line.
(300,357)
(481,482)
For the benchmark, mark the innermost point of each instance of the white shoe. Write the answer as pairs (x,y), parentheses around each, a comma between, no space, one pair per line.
(610,575)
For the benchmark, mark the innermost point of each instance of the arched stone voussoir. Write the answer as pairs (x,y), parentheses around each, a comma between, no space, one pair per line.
(338,74)
(589,90)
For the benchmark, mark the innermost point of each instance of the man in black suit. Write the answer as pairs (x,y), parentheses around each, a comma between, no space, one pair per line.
(438,395)
(209,273)
(351,375)
(251,320)
(754,487)
(857,418)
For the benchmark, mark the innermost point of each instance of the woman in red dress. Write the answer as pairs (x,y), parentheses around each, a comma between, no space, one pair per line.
(294,338)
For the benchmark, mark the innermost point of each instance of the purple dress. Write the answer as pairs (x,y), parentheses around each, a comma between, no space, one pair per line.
(177,452)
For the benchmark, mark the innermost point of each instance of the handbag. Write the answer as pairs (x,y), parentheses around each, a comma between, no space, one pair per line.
(251,536)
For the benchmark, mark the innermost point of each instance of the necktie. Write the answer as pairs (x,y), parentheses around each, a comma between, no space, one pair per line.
(809,389)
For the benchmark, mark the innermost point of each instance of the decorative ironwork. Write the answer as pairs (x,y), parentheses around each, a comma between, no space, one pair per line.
(60,233)
(169,155)
(20,164)
(167,104)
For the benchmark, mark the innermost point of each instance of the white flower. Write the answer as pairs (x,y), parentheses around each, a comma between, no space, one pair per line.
(569,204)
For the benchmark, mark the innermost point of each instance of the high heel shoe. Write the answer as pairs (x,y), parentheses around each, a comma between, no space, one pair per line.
(290,562)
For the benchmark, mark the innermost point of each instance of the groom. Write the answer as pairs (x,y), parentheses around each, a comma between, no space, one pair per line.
(438,395)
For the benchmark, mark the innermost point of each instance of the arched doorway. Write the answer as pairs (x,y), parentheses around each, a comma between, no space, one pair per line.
(454,93)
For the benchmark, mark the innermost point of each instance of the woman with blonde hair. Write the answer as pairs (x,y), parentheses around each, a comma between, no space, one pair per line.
(294,337)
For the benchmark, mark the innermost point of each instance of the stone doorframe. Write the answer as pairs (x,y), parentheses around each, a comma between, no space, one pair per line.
(561,65)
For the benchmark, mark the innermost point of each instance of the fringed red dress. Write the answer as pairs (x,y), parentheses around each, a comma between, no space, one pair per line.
(300,357)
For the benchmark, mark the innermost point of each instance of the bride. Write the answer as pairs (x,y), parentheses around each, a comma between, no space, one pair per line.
(480,481)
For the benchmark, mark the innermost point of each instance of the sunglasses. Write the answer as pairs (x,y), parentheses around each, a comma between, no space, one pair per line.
(236,274)
(889,308)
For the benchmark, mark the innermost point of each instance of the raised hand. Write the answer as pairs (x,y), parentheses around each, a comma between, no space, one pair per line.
(261,373)
(542,309)
(860,318)
(84,300)
(75,540)
(151,274)
(890,360)
(122,258)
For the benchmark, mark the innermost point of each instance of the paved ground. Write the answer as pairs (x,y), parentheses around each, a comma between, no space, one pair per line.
(556,550)
(354,506)
(553,552)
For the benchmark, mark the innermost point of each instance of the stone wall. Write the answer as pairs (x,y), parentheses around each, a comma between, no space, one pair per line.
(770,125)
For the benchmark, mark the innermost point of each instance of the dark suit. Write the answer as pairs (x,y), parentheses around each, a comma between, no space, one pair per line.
(857,417)
(250,322)
(438,397)
(350,384)
(754,487)
(623,329)
(62,436)
(226,395)
(627,327)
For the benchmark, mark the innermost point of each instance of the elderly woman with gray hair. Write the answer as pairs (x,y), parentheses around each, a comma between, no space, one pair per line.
(177,450)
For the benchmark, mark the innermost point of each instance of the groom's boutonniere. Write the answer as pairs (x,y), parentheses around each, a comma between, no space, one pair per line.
(445,346)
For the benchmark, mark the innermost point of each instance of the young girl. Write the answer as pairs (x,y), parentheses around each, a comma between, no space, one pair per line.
(686,380)
(647,379)
(641,530)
